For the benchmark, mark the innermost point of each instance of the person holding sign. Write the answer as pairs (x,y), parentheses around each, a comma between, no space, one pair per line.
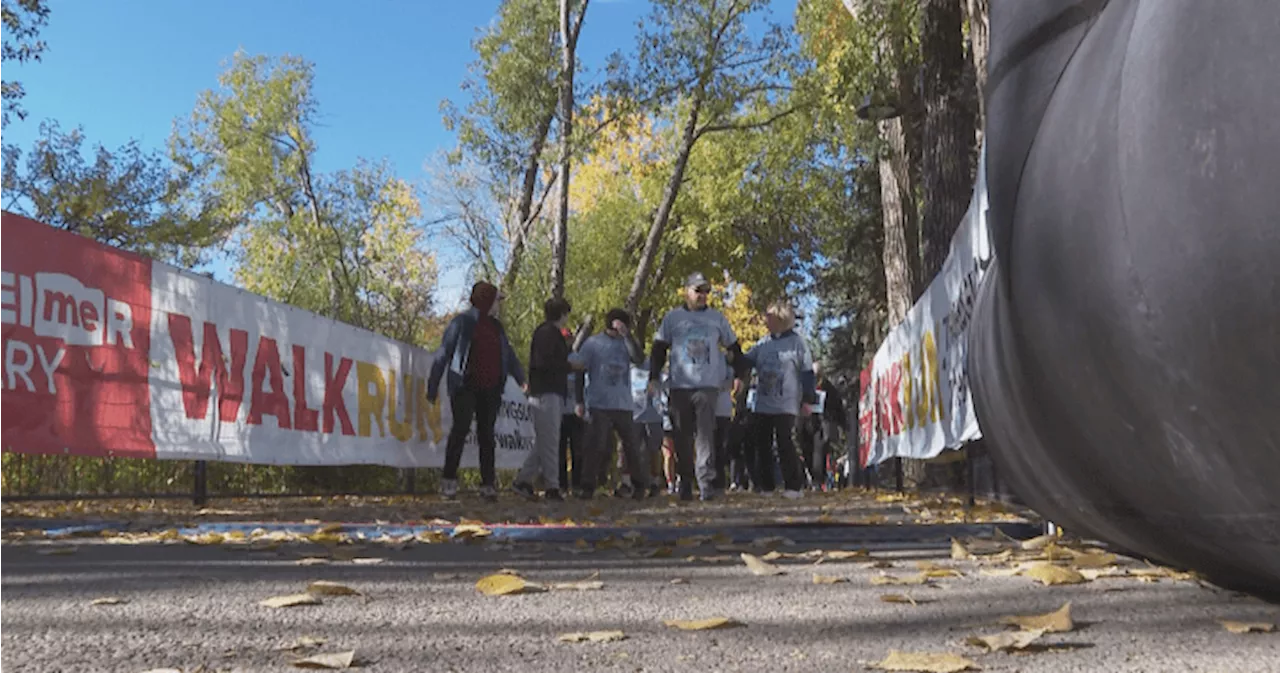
(694,334)
(607,359)
(784,387)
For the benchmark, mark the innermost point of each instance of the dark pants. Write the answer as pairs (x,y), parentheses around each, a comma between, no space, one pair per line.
(604,424)
(765,428)
(814,446)
(722,452)
(693,424)
(735,446)
(482,407)
(571,430)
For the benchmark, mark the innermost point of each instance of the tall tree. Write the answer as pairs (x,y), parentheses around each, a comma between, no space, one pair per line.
(22,21)
(948,128)
(698,57)
(570,28)
(979,12)
(346,245)
(504,128)
(126,197)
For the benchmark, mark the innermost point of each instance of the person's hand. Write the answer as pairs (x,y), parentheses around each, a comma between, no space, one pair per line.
(525,388)
(737,387)
(621,327)
(805,410)
(653,387)
(580,410)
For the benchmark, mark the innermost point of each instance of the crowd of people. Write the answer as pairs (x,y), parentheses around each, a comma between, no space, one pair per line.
(698,414)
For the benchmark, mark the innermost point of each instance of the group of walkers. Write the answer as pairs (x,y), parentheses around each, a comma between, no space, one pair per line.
(702,423)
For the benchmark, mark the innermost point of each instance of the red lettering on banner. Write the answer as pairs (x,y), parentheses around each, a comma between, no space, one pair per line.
(196,381)
(270,402)
(333,402)
(304,417)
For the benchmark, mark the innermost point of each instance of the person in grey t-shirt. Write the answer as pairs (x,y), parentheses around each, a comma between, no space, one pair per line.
(784,388)
(694,334)
(607,359)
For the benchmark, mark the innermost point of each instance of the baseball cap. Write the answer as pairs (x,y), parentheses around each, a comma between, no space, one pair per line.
(696,279)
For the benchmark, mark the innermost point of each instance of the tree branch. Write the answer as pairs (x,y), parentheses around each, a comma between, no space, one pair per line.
(716,128)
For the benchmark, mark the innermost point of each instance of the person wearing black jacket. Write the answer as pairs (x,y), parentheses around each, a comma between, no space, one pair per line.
(821,429)
(548,386)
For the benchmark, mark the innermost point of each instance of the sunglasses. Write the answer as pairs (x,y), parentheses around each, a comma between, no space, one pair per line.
(702,290)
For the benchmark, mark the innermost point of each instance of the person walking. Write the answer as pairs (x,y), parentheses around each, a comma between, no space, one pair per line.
(479,359)
(572,431)
(693,334)
(784,387)
(607,358)
(820,430)
(548,386)
(724,419)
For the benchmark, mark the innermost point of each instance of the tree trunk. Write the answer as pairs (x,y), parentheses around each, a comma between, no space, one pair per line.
(688,137)
(559,234)
(980,46)
(948,130)
(901,264)
(524,210)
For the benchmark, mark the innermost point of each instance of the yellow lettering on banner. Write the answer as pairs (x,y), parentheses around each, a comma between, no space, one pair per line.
(933,378)
(908,391)
(428,413)
(372,403)
(401,430)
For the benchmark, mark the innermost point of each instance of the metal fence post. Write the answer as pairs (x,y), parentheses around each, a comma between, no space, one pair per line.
(200,492)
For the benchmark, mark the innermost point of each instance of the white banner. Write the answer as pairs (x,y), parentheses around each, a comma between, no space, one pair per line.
(917,403)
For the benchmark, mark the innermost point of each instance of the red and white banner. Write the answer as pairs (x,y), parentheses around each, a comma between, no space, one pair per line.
(107,353)
(915,399)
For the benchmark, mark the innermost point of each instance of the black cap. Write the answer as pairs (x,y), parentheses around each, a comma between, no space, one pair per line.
(696,279)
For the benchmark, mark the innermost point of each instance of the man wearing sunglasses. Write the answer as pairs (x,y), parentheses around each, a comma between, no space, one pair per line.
(694,334)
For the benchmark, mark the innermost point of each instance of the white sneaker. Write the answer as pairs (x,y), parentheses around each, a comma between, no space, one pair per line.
(449,488)
(793,495)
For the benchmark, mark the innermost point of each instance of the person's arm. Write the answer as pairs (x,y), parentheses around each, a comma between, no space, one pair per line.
(448,346)
(634,352)
(808,381)
(583,357)
(661,345)
(514,367)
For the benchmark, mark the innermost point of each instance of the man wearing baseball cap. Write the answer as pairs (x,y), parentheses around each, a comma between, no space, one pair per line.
(693,334)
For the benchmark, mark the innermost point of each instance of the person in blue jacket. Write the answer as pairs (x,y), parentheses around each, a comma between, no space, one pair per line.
(479,358)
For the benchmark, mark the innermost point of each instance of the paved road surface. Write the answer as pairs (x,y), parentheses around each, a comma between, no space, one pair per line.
(191,606)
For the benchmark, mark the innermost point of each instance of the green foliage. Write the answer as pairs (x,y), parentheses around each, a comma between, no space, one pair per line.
(22,20)
(349,245)
(124,198)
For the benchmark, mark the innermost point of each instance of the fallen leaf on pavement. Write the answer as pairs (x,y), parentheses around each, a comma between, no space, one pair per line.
(327,588)
(312,561)
(1095,573)
(1058,621)
(584,585)
(302,644)
(925,662)
(1248,627)
(758,567)
(592,636)
(368,561)
(1049,574)
(1038,543)
(57,551)
(882,580)
(330,528)
(1005,642)
(828,579)
(703,624)
(501,584)
(903,598)
(290,601)
(679,580)
(333,661)
(108,600)
(843,554)
(958,551)
(708,559)
(470,531)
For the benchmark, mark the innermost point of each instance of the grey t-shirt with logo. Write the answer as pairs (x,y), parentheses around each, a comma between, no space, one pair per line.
(608,371)
(781,362)
(696,338)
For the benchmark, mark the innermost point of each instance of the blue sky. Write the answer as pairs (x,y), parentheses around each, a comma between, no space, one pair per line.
(124,69)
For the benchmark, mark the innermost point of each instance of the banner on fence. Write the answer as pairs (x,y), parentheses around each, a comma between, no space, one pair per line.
(107,353)
(915,399)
